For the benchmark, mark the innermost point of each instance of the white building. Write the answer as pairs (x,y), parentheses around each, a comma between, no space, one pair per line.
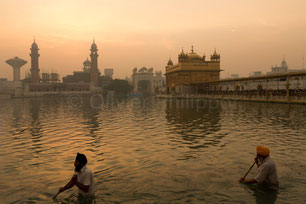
(234,76)
(145,81)
(159,82)
(283,69)
(256,73)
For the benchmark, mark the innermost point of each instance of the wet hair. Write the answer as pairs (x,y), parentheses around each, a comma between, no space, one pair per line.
(81,158)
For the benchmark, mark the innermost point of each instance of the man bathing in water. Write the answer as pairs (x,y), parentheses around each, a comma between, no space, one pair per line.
(83,178)
(267,174)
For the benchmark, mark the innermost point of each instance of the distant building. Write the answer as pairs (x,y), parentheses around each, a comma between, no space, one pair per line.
(283,69)
(191,69)
(257,73)
(45,78)
(145,81)
(105,81)
(54,78)
(234,76)
(35,78)
(94,70)
(90,73)
(50,78)
(79,76)
(129,80)
(11,88)
(109,72)
(3,79)
(16,86)
(48,84)
(279,69)
(296,70)
(159,82)
(79,82)
(16,64)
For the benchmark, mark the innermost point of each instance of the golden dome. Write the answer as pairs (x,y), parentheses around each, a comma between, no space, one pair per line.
(194,56)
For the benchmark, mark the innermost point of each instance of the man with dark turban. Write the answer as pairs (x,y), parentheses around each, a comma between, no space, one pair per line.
(267,174)
(83,178)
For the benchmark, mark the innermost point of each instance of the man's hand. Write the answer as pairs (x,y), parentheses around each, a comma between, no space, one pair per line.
(70,184)
(256,160)
(242,180)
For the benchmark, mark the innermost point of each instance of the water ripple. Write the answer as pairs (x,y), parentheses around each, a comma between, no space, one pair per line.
(146,150)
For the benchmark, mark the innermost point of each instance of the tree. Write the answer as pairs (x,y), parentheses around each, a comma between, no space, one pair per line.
(119,86)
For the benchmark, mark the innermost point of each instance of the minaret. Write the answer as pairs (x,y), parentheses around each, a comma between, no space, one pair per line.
(34,63)
(94,71)
(16,63)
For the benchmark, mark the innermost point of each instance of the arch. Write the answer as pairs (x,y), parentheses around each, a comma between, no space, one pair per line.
(144,86)
(143,83)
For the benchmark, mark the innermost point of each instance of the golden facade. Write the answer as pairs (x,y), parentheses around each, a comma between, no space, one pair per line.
(191,69)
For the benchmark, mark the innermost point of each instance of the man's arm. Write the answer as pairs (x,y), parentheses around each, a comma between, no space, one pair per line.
(70,184)
(82,187)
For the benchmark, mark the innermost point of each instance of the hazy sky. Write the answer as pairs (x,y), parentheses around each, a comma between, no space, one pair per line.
(250,35)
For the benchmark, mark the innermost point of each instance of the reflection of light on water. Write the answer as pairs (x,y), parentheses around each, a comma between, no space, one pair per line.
(145,149)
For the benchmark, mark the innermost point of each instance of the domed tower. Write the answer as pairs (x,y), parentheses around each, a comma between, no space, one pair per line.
(87,65)
(94,71)
(182,56)
(284,64)
(34,63)
(215,56)
(170,63)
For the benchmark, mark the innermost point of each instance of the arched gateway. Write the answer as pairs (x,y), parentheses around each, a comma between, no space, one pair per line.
(143,80)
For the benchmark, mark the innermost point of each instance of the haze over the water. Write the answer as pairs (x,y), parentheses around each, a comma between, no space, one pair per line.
(249,35)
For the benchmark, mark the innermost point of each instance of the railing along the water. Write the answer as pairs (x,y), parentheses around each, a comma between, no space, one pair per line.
(299,99)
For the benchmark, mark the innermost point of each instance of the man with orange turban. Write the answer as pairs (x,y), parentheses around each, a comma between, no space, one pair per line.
(267,174)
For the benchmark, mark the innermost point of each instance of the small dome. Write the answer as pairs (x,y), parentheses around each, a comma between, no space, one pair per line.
(87,62)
